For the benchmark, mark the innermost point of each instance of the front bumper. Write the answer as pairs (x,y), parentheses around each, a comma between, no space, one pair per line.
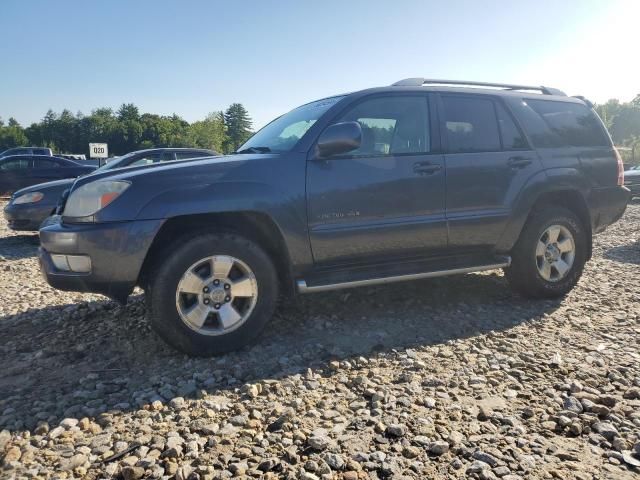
(607,205)
(28,216)
(117,251)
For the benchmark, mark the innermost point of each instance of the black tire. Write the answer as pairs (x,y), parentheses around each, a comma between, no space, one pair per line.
(523,274)
(163,283)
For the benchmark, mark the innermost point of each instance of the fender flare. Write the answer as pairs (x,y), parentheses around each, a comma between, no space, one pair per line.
(546,184)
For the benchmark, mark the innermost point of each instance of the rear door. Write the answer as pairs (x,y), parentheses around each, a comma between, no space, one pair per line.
(47,169)
(488,161)
(384,200)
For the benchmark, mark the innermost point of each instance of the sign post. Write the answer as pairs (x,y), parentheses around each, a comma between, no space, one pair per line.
(99,151)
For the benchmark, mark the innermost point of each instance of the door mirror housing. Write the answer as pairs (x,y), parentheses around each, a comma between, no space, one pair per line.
(339,138)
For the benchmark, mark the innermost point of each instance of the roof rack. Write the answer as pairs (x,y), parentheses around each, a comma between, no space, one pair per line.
(419,81)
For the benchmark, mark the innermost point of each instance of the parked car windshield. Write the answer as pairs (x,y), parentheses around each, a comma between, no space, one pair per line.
(284,132)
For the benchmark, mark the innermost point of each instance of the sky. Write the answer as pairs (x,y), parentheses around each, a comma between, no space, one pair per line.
(193,57)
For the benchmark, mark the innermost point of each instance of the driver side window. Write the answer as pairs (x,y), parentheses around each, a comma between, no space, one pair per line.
(146,159)
(391,126)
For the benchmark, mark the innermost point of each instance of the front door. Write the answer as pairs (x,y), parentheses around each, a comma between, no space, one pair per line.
(488,162)
(14,173)
(386,199)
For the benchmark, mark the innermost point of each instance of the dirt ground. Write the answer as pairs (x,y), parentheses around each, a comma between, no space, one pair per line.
(454,377)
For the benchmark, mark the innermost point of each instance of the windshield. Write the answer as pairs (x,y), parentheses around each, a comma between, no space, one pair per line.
(284,132)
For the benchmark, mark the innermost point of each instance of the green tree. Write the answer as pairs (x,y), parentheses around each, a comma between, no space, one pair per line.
(209,133)
(238,124)
(129,128)
(12,135)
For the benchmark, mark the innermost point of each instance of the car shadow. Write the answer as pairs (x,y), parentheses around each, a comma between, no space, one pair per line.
(624,253)
(87,358)
(15,247)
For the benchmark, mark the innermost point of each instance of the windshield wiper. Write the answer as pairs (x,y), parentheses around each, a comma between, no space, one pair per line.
(254,150)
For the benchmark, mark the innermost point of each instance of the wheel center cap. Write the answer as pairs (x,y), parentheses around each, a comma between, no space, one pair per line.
(217,295)
(552,253)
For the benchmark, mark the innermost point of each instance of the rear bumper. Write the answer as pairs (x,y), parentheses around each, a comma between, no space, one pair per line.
(117,252)
(27,217)
(607,205)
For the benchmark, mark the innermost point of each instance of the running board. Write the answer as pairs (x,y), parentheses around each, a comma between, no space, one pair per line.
(304,288)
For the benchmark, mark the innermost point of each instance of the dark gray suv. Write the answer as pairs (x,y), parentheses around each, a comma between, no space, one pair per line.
(420,179)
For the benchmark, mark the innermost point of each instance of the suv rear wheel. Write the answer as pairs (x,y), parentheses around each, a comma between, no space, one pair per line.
(212,294)
(549,257)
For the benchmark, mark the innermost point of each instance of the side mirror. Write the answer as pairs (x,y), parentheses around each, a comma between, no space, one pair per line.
(339,138)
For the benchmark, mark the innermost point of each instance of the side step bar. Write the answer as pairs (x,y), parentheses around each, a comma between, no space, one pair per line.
(304,288)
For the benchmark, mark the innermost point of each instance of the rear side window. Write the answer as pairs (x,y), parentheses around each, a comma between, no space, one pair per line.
(470,124)
(567,125)
(145,159)
(185,155)
(40,163)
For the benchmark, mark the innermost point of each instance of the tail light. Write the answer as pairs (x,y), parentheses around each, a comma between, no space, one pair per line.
(620,167)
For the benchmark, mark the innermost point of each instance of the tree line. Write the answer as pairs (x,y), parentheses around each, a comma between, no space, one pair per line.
(622,119)
(126,130)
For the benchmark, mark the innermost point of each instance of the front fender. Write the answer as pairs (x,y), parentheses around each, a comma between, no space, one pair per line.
(213,198)
(546,182)
(287,212)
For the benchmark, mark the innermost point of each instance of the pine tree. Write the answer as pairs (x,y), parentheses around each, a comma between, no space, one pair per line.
(238,124)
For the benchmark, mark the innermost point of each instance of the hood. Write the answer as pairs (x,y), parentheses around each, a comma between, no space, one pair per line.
(175,168)
(56,185)
(632,173)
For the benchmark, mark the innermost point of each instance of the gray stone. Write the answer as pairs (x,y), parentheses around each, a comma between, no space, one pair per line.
(177,402)
(396,430)
(335,461)
(572,404)
(485,457)
(501,471)
(318,442)
(476,467)
(438,448)
(132,473)
(606,429)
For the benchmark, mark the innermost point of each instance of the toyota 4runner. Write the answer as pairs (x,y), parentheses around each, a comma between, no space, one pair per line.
(420,179)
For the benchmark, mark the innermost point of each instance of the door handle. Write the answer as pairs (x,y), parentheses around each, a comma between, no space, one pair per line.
(426,168)
(519,162)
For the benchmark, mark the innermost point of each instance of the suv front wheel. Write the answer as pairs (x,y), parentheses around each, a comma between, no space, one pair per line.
(212,294)
(548,259)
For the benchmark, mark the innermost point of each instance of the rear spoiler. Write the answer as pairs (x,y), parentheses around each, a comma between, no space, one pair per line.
(588,102)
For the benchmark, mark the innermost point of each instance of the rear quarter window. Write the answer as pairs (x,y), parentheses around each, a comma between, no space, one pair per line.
(563,124)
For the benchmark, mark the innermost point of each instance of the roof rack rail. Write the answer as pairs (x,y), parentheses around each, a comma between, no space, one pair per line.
(419,81)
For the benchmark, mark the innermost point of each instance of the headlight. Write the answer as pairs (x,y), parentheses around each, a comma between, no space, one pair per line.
(93,197)
(31,197)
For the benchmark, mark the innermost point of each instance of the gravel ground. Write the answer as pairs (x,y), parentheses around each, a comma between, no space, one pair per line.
(444,378)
